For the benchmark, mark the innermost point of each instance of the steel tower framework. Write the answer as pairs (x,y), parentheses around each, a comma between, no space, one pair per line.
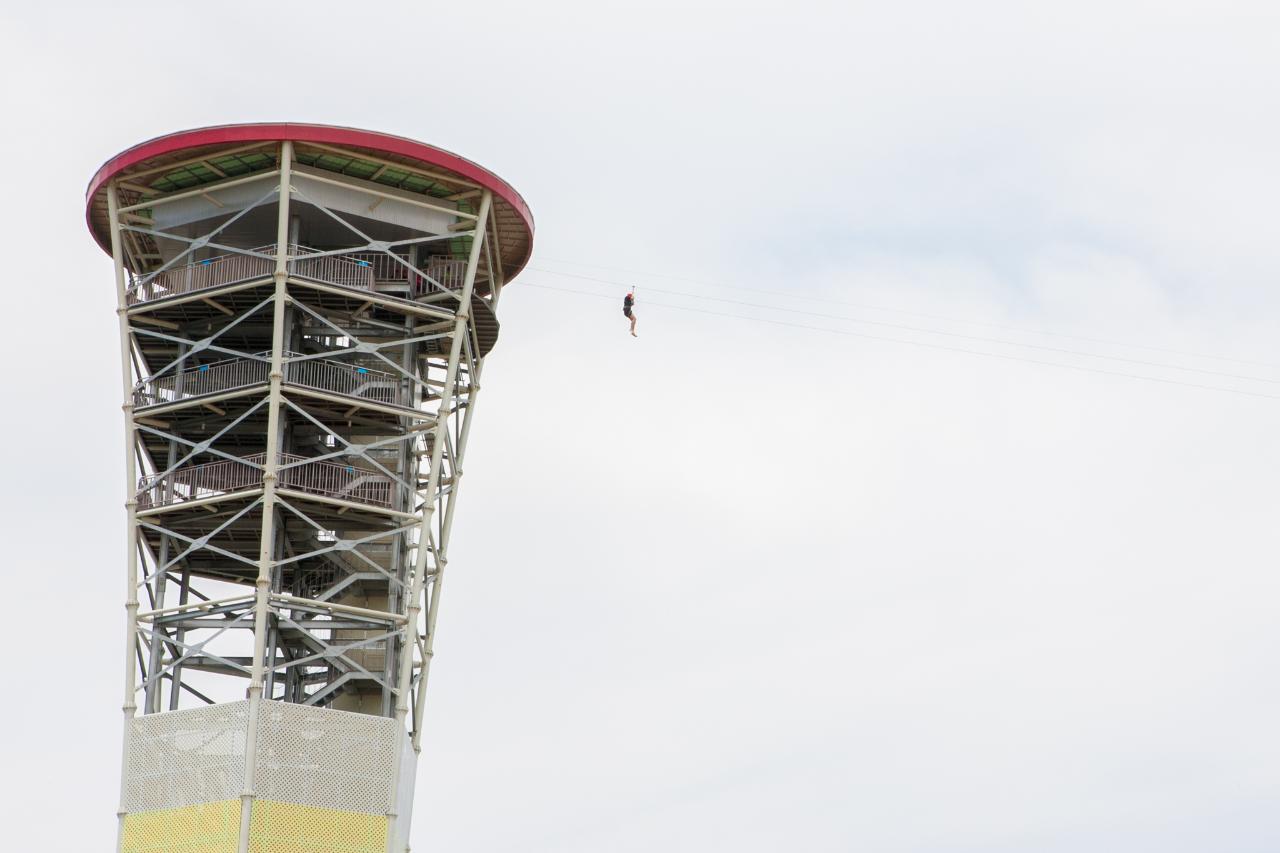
(304,317)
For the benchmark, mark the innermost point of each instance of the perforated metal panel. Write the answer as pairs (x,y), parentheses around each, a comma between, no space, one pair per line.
(324,758)
(273,828)
(324,781)
(290,828)
(205,828)
(183,758)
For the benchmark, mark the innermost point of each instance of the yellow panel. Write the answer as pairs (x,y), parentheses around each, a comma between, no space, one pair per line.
(204,828)
(288,828)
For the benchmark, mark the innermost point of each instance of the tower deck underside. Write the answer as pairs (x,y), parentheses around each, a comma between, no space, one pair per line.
(302,348)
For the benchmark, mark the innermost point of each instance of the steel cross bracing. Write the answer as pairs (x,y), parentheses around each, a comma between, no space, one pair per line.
(297,417)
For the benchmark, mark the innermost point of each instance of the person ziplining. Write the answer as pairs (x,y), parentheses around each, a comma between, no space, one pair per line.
(628,304)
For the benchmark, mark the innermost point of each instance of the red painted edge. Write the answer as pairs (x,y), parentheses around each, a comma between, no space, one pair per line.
(294,132)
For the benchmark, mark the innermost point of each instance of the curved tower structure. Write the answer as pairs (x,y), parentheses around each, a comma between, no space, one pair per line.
(304,316)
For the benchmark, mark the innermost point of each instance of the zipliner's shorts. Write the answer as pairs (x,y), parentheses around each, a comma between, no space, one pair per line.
(626,312)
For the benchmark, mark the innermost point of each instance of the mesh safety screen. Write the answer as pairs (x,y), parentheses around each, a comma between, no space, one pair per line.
(206,828)
(325,758)
(182,758)
(291,828)
(324,780)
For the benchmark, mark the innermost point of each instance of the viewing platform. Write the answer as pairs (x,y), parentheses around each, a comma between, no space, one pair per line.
(233,374)
(296,473)
(367,271)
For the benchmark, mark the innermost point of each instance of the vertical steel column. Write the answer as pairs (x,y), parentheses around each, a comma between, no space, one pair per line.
(460,452)
(414,599)
(433,479)
(404,498)
(130,706)
(151,702)
(184,594)
(271,462)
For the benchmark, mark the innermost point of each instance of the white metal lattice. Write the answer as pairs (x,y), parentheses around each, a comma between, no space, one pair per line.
(299,387)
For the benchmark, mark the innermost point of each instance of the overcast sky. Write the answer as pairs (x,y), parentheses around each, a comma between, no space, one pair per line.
(736,585)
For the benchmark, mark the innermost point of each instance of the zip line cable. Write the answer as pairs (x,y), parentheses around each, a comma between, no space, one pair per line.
(1060,350)
(866,307)
(923,344)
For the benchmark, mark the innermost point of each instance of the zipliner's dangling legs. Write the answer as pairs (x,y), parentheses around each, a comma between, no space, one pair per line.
(633,325)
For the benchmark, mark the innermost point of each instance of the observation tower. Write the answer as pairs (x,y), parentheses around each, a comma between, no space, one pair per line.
(304,316)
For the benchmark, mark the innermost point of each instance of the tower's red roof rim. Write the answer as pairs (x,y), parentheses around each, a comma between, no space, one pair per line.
(325,134)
